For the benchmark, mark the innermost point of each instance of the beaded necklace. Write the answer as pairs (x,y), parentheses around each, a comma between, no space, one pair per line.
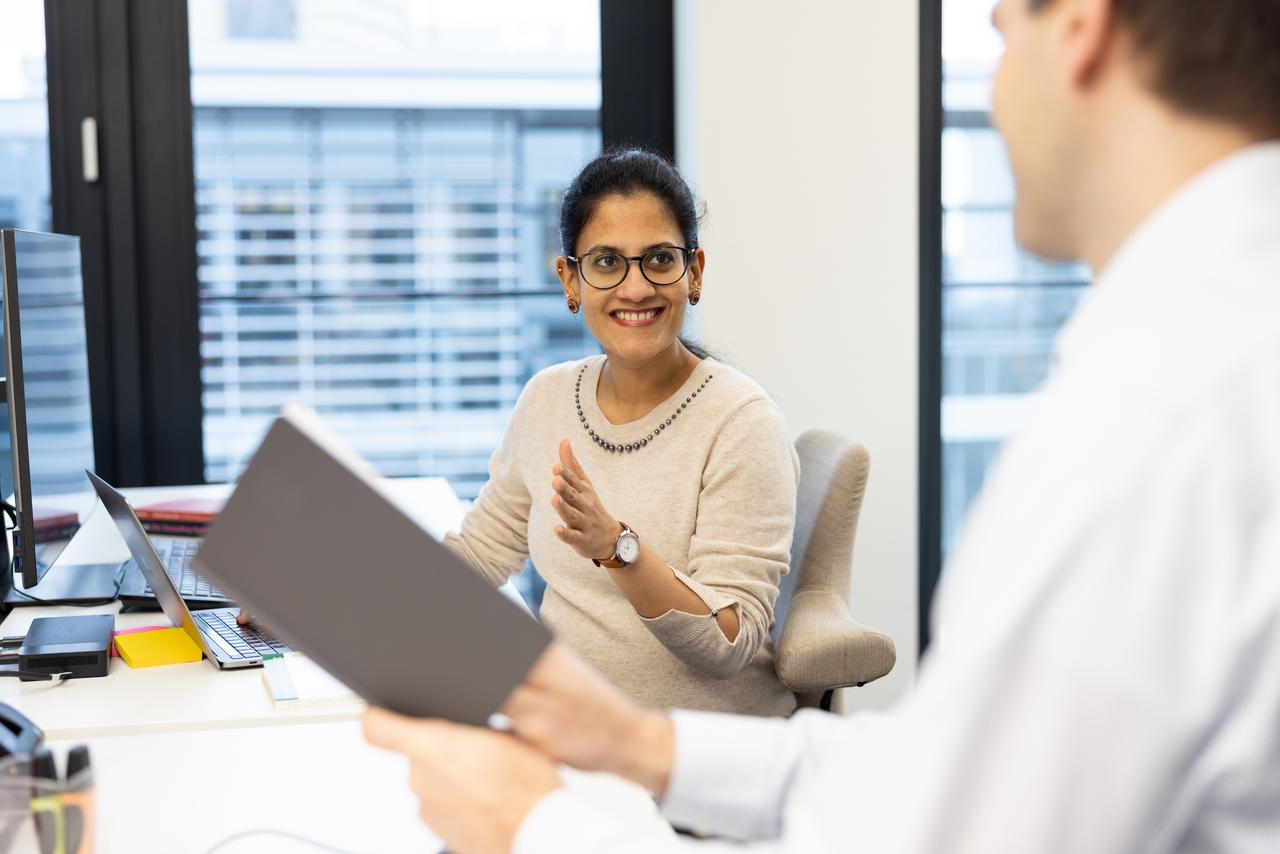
(614,447)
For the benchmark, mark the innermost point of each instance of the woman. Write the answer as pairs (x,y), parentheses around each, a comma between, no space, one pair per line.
(653,488)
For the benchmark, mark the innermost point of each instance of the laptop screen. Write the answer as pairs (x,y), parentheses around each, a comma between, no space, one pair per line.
(144,555)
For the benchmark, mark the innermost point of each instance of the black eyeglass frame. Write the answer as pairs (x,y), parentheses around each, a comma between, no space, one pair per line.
(685,252)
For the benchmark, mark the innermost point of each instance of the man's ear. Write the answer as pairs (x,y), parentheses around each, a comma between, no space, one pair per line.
(1087,33)
(568,275)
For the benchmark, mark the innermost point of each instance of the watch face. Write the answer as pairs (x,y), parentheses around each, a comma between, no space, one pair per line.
(629,547)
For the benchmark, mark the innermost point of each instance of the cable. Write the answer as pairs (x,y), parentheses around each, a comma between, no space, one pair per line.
(266,831)
(91,603)
(38,675)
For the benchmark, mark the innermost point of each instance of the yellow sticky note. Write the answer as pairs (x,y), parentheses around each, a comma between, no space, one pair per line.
(165,646)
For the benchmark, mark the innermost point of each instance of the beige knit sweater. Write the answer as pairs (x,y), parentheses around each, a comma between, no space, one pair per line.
(713,494)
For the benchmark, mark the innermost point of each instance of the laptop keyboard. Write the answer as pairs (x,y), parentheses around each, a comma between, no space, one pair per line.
(176,555)
(247,641)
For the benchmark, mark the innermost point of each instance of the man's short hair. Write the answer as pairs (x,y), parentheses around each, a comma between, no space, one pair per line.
(1214,58)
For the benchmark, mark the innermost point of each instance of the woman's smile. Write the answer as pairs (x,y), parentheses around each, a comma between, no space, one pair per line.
(634,318)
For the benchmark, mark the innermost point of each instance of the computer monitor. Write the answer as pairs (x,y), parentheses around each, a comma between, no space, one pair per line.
(50,423)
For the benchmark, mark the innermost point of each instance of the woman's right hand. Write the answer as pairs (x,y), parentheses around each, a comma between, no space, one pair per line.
(571,713)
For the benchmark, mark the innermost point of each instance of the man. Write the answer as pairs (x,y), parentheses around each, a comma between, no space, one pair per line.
(1106,670)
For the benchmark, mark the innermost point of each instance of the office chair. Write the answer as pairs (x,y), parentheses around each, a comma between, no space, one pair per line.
(820,647)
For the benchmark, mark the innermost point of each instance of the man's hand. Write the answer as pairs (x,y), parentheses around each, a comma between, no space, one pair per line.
(588,528)
(475,786)
(568,710)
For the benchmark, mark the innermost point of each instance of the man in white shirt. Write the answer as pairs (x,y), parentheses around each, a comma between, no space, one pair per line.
(1105,675)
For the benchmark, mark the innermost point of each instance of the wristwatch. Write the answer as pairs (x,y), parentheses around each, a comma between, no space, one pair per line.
(625,551)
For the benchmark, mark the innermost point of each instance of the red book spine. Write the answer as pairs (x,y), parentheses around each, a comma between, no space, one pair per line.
(183,529)
(44,520)
(174,516)
(49,535)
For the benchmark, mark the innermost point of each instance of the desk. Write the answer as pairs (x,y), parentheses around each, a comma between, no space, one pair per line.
(179,697)
(321,781)
(203,751)
(192,790)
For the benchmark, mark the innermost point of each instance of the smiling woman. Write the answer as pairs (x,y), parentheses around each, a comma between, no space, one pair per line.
(674,605)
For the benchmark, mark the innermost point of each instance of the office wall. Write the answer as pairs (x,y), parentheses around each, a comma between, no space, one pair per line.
(797,123)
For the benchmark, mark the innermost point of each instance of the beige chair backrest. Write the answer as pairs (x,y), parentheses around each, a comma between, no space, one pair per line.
(820,646)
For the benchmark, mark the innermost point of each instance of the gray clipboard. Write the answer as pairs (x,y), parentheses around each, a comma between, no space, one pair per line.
(311,546)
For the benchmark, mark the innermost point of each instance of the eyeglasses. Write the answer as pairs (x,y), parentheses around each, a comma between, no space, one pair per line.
(662,265)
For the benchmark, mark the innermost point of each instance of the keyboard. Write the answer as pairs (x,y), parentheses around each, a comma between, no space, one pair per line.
(247,641)
(176,555)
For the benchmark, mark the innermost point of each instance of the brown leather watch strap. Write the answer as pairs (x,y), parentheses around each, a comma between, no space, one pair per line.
(614,562)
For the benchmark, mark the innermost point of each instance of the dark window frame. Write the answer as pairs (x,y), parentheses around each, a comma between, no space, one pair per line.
(930,329)
(637,75)
(127,64)
(124,62)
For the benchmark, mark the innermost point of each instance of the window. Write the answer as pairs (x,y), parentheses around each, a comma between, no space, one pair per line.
(997,310)
(24,118)
(261,19)
(270,166)
(377,194)
(1001,308)
(57,419)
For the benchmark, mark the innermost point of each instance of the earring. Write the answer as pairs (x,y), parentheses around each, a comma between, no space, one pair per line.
(573,305)
(695,294)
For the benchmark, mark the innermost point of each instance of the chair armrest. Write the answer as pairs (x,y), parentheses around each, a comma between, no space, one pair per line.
(823,647)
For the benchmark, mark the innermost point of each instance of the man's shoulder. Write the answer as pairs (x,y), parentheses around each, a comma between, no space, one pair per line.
(1124,464)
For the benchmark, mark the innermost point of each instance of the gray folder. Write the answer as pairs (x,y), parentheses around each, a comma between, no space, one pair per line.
(315,550)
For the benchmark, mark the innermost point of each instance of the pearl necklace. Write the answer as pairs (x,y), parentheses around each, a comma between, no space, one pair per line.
(615,448)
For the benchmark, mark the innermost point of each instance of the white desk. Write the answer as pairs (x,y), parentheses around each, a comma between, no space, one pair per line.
(175,793)
(179,697)
(186,756)
(183,793)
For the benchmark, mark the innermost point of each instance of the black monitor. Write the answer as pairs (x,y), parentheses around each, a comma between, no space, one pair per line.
(50,422)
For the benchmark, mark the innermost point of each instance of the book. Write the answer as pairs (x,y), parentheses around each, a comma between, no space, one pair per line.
(294,681)
(187,510)
(47,517)
(49,535)
(176,529)
(50,524)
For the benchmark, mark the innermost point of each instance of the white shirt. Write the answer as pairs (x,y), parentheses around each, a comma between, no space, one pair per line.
(1105,674)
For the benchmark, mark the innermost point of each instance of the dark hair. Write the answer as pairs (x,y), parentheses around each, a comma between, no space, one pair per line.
(1220,59)
(627,172)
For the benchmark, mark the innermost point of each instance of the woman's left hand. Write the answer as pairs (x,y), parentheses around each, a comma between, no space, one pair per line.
(588,528)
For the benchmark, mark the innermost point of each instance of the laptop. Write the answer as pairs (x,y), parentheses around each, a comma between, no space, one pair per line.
(176,555)
(314,543)
(224,642)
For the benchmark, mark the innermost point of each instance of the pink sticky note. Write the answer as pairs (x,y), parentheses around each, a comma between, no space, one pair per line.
(138,630)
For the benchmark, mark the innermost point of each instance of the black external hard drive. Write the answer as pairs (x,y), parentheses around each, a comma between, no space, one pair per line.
(78,646)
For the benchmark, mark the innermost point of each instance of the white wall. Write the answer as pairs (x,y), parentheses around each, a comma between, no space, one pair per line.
(797,123)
